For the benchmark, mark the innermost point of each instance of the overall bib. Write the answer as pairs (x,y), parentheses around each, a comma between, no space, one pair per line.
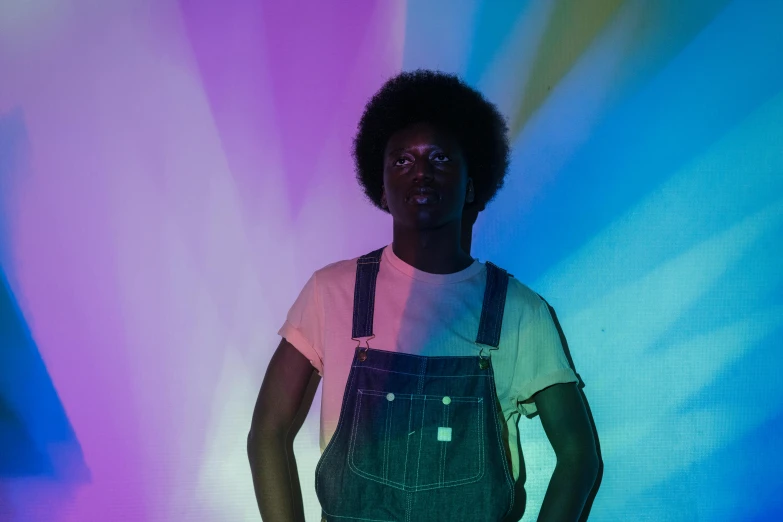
(419,438)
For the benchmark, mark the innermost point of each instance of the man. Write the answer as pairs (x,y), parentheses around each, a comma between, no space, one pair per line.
(428,356)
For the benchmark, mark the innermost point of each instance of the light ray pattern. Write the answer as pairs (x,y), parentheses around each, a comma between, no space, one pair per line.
(171,172)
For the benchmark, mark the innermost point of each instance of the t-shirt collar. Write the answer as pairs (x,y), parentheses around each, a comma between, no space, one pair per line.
(439,279)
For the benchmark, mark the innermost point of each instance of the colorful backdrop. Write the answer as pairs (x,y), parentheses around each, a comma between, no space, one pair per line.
(171,172)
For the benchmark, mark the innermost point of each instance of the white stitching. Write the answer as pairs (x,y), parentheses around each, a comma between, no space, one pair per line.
(478,401)
(422,372)
(386,437)
(442,476)
(356,518)
(356,288)
(371,307)
(457,357)
(407,446)
(352,440)
(340,425)
(421,440)
(472,357)
(438,398)
(508,477)
(499,309)
(351,449)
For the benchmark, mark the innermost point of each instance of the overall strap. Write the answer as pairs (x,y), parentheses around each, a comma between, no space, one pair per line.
(367,268)
(493,306)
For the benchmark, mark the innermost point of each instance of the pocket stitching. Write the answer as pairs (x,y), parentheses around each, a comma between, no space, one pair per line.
(478,401)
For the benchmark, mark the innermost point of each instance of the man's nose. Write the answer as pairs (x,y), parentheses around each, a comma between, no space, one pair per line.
(423,169)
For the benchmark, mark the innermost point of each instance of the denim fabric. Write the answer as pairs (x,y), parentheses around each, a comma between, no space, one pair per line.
(367,268)
(418,438)
(492,308)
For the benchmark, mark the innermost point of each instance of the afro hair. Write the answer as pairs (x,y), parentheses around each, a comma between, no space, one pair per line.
(442,100)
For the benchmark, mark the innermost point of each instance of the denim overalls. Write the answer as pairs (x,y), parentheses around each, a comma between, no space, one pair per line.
(419,438)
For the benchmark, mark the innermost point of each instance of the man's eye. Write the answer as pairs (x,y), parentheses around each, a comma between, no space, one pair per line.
(440,157)
(402,161)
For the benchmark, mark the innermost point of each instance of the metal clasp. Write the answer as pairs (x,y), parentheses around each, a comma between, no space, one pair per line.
(362,352)
(483,360)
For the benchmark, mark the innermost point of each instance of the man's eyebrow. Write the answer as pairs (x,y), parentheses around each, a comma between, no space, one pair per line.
(405,149)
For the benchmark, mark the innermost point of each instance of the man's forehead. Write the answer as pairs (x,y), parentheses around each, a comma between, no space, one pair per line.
(421,135)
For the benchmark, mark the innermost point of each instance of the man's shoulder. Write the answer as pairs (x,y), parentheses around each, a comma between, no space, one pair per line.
(337,273)
(522,296)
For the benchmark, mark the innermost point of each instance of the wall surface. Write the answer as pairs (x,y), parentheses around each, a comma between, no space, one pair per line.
(171,173)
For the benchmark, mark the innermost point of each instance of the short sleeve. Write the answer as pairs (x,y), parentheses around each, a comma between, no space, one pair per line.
(303,327)
(542,361)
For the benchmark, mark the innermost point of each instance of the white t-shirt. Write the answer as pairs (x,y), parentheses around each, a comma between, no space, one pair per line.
(427,314)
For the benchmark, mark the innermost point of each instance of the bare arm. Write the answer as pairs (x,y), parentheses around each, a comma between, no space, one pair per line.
(566,423)
(282,405)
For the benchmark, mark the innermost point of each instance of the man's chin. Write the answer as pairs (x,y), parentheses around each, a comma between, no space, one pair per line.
(424,220)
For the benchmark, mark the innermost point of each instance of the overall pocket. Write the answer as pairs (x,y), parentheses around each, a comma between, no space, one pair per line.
(417,442)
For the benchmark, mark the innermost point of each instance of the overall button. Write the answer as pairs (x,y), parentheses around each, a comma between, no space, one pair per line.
(362,356)
(389,396)
(446,400)
(483,363)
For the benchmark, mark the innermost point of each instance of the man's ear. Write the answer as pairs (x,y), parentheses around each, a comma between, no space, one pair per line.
(471,194)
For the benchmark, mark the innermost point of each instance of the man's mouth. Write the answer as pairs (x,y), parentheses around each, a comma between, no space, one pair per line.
(423,196)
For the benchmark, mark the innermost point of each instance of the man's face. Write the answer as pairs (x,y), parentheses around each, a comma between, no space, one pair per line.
(425,178)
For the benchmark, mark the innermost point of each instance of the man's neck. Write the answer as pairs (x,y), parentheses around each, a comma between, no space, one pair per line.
(436,251)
